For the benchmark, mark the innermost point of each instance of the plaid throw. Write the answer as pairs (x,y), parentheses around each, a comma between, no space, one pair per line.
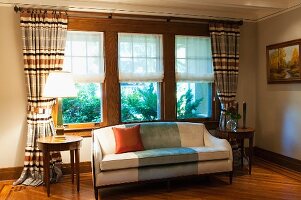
(225,54)
(44,36)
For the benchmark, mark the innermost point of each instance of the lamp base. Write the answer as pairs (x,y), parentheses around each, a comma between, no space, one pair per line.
(60,131)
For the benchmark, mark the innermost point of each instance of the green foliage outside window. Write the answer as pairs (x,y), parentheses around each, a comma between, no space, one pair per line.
(85,108)
(140,104)
(186,107)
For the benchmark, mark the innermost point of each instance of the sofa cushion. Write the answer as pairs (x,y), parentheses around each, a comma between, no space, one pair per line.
(166,156)
(155,135)
(211,153)
(160,135)
(161,157)
(119,161)
(128,139)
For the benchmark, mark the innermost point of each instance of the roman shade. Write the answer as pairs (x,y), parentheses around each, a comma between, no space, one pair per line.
(140,57)
(194,59)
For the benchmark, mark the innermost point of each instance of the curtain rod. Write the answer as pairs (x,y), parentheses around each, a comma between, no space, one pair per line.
(86,14)
(135,16)
(50,8)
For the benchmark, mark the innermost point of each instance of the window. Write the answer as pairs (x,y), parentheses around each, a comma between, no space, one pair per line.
(84,58)
(194,75)
(140,74)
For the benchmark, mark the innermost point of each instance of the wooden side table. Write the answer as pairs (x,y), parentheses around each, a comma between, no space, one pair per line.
(240,134)
(51,143)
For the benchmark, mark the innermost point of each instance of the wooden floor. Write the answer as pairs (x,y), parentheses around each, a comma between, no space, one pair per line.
(268,181)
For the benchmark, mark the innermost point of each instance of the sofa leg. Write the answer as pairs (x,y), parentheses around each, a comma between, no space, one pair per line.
(230,177)
(96,193)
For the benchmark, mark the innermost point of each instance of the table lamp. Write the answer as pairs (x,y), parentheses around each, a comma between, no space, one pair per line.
(59,84)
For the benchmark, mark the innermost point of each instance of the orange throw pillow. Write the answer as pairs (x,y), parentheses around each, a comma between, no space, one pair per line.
(128,139)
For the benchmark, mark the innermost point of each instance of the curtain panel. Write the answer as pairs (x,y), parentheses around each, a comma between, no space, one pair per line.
(43,36)
(225,53)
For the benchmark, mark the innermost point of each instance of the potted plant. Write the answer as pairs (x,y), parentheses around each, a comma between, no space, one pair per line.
(233,117)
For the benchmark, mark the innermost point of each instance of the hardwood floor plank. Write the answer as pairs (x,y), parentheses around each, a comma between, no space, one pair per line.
(5,191)
(268,181)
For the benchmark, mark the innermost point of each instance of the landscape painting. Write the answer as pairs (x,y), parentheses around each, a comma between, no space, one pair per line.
(283,62)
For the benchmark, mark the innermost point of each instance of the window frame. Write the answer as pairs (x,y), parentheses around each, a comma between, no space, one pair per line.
(111,26)
(159,58)
(84,127)
(213,92)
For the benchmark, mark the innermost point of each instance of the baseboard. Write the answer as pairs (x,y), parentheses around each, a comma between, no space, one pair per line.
(83,166)
(13,173)
(10,173)
(279,159)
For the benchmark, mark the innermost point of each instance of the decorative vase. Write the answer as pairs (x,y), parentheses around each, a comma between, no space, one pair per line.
(231,124)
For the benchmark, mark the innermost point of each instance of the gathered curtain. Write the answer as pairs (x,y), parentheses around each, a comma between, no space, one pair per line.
(194,59)
(225,53)
(140,57)
(43,36)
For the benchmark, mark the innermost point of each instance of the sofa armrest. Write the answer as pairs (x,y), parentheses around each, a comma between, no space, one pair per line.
(211,141)
(96,154)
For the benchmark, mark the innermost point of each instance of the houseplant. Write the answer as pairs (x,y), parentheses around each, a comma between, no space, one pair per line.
(233,116)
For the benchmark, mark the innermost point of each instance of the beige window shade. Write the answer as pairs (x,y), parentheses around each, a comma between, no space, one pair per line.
(140,57)
(194,59)
(84,56)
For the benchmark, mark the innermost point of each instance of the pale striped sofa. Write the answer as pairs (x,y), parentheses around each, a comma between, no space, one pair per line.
(171,149)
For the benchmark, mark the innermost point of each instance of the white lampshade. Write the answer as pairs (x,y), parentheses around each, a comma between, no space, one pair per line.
(59,84)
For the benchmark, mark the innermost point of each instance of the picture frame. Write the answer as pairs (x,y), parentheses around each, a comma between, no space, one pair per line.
(283,62)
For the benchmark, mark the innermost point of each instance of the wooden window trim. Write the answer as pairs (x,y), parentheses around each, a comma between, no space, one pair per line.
(100,22)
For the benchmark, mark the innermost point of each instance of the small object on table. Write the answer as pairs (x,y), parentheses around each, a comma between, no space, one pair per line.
(60,143)
(60,137)
(244,114)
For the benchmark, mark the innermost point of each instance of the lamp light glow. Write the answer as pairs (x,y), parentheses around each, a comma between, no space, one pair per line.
(59,85)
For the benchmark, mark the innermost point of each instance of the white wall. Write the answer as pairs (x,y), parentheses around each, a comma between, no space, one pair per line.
(13,128)
(278,105)
(246,90)
(12,94)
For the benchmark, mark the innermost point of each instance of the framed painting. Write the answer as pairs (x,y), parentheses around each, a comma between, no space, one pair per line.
(283,62)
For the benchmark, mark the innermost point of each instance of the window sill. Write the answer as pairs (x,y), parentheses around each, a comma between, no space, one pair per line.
(80,131)
(83,130)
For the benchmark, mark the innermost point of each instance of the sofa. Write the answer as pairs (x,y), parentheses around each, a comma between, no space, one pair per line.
(171,149)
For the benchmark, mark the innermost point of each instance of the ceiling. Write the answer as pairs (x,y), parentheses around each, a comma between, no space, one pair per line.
(248,10)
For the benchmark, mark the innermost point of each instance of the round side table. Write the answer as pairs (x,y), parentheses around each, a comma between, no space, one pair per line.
(60,143)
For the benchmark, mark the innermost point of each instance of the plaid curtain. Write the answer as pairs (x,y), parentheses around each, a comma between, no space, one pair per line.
(44,36)
(225,54)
